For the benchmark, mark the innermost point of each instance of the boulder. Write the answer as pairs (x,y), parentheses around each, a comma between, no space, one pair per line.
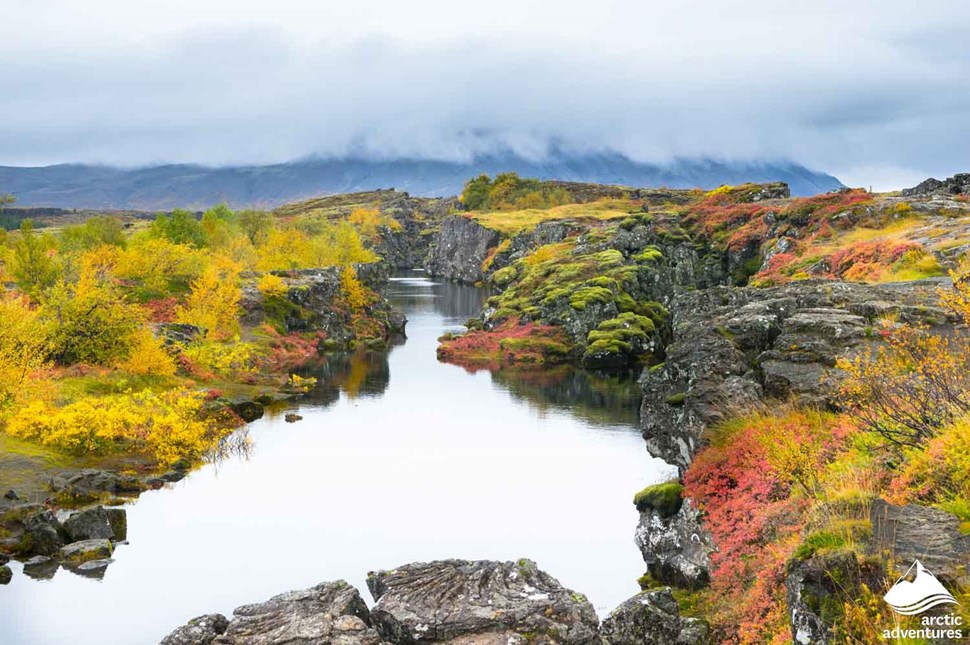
(653,617)
(913,532)
(676,549)
(330,613)
(482,602)
(89,524)
(201,630)
(43,534)
(172,334)
(118,520)
(11,495)
(6,575)
(292,418)
(77,552)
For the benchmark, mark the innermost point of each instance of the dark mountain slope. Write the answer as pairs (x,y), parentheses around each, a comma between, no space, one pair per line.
(182,185)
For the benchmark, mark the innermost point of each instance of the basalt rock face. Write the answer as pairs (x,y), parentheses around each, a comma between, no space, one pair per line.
(677,549)
(460,250)
(731,348)
(930,535)
(332,613)
(653,617)
(481,603)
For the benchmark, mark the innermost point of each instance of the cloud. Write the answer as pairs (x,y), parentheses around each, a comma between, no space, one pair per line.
(867,90)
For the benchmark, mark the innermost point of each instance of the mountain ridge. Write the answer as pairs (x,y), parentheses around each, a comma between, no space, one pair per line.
(195,186)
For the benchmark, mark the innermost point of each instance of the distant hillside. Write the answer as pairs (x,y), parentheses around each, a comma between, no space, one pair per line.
(166,187)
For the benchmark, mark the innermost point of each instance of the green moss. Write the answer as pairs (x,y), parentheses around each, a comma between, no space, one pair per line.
(503,277)
(649,255)
(283,314)
(663,498)
(587,296)
(676,399)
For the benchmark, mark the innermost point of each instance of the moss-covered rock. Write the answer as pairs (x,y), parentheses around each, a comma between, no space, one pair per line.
(665,499)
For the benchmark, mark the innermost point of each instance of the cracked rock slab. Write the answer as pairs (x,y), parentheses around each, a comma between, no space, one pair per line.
(481,602)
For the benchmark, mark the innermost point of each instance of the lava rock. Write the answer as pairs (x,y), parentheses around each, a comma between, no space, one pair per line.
(331,612)
(482,602)
(653,617)
(292,418)
(43,534)
(6,575)
(201,630)
(677,550)
(463,244)
(86,550)
(97,481)
(89,524)
(118,520)
(931,535)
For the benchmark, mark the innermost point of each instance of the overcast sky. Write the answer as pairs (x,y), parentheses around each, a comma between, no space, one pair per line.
(876,92)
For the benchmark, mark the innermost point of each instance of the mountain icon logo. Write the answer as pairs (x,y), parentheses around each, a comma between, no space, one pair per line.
(921,593)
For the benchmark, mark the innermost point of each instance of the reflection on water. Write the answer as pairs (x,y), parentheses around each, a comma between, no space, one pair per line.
(398,458)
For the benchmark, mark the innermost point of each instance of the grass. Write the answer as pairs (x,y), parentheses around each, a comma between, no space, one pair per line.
(509,223)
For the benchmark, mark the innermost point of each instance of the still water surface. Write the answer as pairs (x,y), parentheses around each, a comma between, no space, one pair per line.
(398,458)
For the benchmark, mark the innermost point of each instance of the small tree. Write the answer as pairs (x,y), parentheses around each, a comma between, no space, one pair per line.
(213,303)
(35,267)
(918,382)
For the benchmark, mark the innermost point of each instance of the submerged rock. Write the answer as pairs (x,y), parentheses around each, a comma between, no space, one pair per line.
(653,617)
(292,418)
(94,569)
(482,602)
(41,567)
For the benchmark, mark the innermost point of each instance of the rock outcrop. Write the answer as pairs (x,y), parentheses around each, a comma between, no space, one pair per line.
(310,303)
(481,602)
(201,630)
(461,248)
(930,535)
(653,617)
(958,184)
(731,348)
(675,548)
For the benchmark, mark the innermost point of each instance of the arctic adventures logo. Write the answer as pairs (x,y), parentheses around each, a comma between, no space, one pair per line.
(910,597)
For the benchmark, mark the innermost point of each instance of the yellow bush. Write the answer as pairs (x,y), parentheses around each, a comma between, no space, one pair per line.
(230,360)
(271,285)
(168,426)
(352,289)
(213,303)
(23,346)
(148,356)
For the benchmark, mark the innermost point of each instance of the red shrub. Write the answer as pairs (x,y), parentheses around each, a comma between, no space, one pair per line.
(510,343)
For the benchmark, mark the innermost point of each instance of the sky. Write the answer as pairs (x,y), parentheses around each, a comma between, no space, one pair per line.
(875,92)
